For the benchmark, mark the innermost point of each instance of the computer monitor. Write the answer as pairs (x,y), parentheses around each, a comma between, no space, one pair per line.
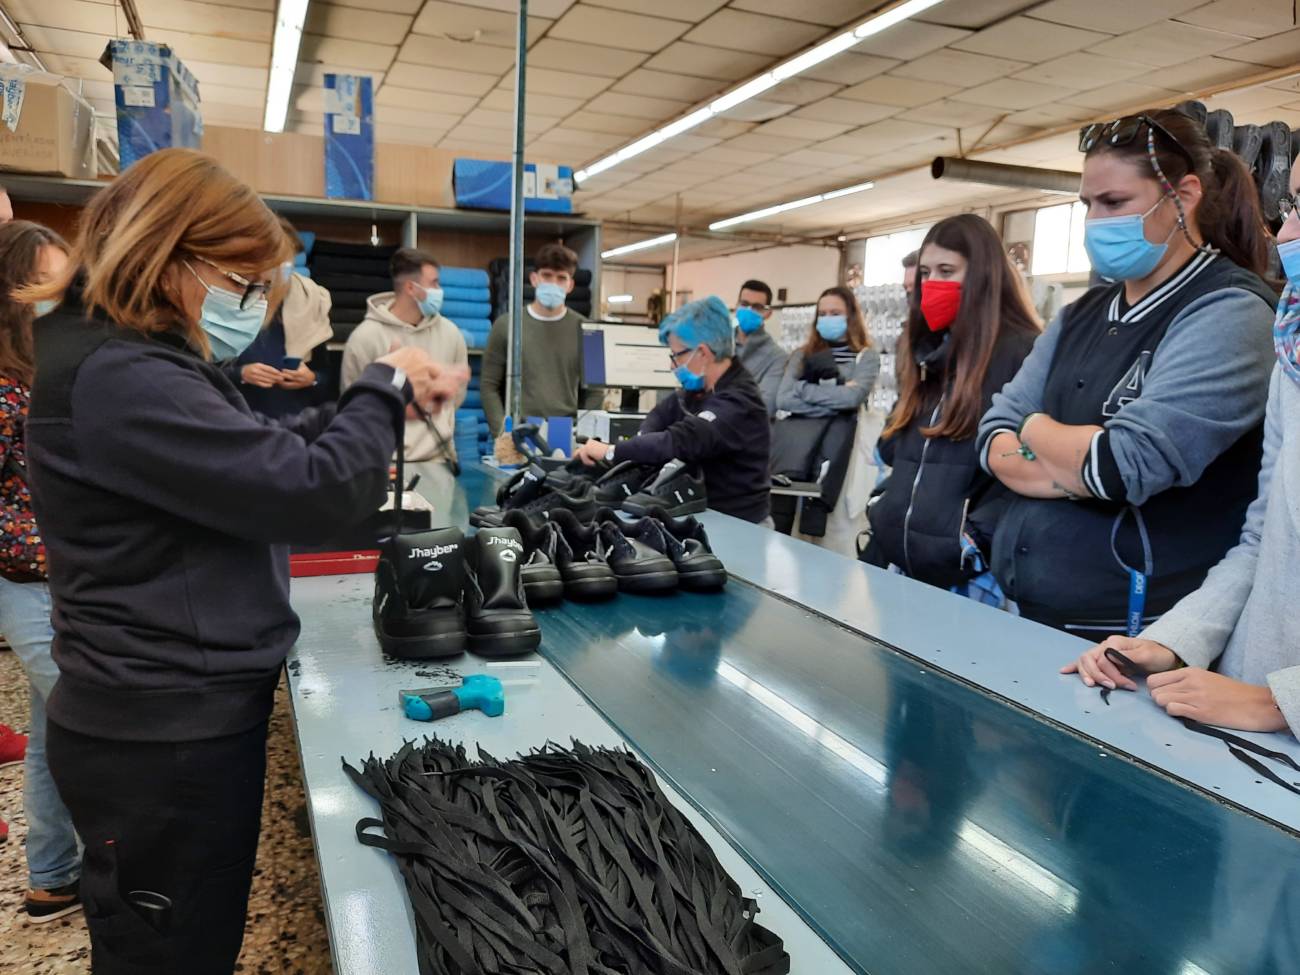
(624,356)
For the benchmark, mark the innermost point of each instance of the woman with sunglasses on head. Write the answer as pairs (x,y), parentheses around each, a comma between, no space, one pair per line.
(828,379)
(1132,432)
(969,329)
(166,507)
(1228,654)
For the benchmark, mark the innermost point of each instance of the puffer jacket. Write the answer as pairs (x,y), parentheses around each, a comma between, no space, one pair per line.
(936,483)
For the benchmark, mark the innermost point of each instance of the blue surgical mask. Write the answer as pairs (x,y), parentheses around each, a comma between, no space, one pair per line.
(1118,246)
(550,295)
(691,382)
(45,307)
(230,329)
(748,320)
(832,327)
(1290,256)
(431,303)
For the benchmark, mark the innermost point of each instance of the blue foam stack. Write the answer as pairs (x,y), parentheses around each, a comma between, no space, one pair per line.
(467,301)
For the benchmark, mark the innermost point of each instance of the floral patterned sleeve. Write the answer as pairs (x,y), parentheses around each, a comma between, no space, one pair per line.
(22,552)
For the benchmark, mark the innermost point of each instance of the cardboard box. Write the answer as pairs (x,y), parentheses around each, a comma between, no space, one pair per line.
(485,185)
(157,99)
(44,127)
(349,137)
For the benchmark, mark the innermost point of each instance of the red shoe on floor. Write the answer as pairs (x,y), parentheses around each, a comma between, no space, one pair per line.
(4,832)
(13,746)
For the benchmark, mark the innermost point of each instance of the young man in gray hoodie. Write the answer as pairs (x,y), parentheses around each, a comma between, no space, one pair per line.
(755,348)
(409,316)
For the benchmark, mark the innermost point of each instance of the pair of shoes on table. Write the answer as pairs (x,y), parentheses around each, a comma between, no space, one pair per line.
(636,488)
(438,593)
(582,490)
(13,747)
(658,553)
(535,491)
(50,905)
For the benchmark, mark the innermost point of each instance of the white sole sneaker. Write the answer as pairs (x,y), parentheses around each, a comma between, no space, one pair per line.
(55,915)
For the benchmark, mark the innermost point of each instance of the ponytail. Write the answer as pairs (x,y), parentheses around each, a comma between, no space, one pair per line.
(1230,216)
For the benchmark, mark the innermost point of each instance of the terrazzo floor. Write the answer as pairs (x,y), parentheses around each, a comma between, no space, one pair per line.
(286,930)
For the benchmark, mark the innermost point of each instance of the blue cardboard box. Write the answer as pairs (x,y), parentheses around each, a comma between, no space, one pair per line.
(349,137)
(157,99)
(485,185)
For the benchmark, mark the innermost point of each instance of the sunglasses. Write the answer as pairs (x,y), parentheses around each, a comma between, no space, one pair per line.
(1287,205)
(254,291)
(1123,131)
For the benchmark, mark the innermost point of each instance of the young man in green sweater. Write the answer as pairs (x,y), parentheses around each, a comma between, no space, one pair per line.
(552,348)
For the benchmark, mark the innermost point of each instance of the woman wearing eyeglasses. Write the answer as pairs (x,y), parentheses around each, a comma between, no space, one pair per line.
(166,506)
(1132,433)
(1240,621)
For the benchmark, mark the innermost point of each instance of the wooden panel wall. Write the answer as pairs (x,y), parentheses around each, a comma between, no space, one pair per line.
(294,164)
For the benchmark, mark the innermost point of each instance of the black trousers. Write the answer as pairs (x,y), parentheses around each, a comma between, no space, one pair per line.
(171,835)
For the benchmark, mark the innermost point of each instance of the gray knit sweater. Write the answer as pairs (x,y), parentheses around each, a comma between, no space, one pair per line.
(1242,615)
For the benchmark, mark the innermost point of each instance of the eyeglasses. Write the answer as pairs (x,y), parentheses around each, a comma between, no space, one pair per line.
(1122,132)
(254,291)
(757,306)
(676,357)
(1287,205)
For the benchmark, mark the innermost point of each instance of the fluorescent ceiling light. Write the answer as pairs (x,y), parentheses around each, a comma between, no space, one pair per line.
(619,299)
(811,58)
(289,20)
(640,245)
(755,86)
(772,211)
(891,17)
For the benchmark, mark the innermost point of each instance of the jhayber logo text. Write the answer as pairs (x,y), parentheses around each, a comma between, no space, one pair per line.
(432,553)
(509,542)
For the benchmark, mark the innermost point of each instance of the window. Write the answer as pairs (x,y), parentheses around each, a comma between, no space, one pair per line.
(883,260)
(1058,240)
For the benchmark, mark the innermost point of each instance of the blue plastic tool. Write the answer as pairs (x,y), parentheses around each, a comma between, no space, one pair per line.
(477,691)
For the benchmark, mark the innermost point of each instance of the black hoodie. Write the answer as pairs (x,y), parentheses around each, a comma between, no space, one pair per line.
(166,506)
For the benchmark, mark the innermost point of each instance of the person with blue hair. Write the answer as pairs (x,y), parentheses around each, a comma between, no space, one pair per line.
(717,422)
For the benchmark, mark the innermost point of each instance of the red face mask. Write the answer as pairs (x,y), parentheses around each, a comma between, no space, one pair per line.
(940,301)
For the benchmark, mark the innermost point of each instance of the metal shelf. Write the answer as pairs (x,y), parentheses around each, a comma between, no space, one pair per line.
(77,192)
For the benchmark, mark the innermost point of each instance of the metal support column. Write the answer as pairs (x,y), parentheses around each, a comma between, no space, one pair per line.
(515,346)
(677,250)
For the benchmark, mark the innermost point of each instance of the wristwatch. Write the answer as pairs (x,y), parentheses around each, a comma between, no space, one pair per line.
(609,454)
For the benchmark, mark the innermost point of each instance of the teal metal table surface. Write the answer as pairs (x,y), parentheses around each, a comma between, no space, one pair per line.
(917,819)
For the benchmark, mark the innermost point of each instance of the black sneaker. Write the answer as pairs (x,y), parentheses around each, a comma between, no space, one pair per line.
(548,493)
(497,618)
(52,904)
(633,551)
(622,481)
(418,584)
(576,552)
(542,580)
(675,490)
(686,543)
(524,484)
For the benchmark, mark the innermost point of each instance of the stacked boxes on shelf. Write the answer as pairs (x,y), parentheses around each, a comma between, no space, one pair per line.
(467,301)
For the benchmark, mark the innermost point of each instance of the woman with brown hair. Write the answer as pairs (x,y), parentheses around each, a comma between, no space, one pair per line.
(969,329)
(166,506)
(1132,435)
(824,385)
(29,254)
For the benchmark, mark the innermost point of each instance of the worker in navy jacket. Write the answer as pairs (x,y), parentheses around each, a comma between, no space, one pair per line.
(166,506)
(718,421)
